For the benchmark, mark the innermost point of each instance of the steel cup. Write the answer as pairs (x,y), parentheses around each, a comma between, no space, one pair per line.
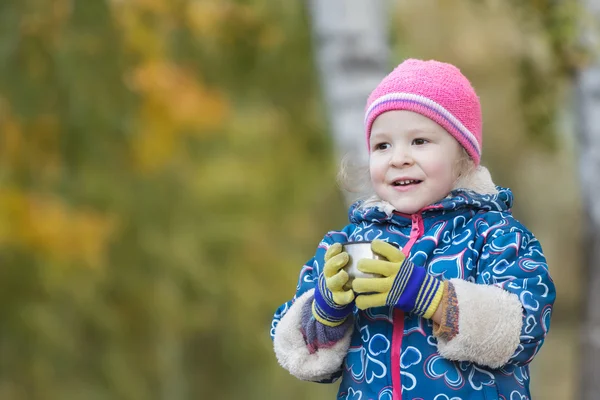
(358,251)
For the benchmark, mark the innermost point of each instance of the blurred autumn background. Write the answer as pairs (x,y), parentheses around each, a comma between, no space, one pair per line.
(166,167)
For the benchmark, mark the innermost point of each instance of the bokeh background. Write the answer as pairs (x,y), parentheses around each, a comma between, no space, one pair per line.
(166,167)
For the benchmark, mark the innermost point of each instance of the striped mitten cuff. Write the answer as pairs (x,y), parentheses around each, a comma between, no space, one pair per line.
(325,310)
(415,290)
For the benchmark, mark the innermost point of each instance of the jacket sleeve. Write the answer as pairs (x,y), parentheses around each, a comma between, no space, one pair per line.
(504,315)
(287,328)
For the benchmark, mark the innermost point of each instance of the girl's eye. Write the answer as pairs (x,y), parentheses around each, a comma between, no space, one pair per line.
(382,146)
(420,141)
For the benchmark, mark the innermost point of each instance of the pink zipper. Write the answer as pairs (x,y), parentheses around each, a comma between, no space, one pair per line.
(416,231)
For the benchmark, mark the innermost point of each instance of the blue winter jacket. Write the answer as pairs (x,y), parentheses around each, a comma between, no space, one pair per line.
(472,237)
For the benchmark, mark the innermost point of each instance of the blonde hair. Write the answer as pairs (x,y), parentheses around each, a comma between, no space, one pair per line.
(463,168)
(354,177)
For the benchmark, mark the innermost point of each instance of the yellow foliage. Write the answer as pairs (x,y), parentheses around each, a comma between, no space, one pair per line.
(44,225)
(156,142)
(141,38)
(207,20)
(206,17)
(173,103)
(187,102)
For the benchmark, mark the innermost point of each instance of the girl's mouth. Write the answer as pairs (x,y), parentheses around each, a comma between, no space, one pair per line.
(406,182)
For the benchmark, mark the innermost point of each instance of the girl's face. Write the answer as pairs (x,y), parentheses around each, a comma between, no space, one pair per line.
(413,160)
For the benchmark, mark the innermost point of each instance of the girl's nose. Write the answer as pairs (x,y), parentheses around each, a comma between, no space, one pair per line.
(401,157)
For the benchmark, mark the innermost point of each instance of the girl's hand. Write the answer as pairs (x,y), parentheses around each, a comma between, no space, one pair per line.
(335,276)
(333,303)
(402,285)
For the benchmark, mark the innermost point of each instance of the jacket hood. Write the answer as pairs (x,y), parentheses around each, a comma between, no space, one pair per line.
(460,199)
(457,200)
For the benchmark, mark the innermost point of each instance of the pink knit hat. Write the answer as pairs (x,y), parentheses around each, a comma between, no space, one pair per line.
(436,90)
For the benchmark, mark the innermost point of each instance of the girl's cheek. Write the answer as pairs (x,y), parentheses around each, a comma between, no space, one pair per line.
(376,163)
(447,173)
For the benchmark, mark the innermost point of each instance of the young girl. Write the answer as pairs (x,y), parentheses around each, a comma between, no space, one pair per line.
(460,309)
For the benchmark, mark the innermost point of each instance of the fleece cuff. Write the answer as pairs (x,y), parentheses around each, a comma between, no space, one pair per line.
(489,325)
(295,355)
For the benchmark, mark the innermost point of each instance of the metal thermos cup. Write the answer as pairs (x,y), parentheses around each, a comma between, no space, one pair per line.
(358,251)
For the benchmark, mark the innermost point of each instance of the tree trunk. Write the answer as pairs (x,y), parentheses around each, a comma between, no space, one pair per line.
(351,43)
(588,108)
